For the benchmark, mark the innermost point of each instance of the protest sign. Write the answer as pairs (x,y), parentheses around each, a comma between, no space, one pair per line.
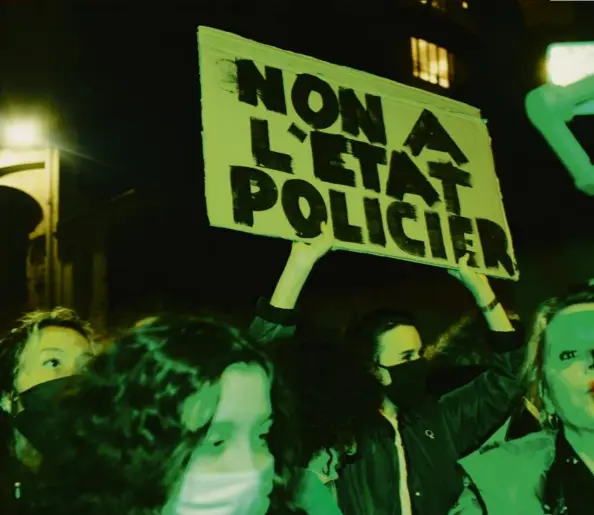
(290,141)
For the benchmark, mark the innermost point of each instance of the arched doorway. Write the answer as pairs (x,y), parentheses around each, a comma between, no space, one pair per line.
(20,215)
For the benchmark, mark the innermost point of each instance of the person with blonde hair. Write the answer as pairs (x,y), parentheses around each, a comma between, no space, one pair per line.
(37,355)
(551,471)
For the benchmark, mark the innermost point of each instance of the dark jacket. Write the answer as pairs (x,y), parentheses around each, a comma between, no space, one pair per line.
(435,435)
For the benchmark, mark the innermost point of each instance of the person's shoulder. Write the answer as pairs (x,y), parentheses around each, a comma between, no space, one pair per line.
(428,410)
(525,457)
(510,475)
(314,497)
(525,447)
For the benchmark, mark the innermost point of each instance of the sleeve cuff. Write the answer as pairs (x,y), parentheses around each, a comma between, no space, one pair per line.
(286,317)
(509,340)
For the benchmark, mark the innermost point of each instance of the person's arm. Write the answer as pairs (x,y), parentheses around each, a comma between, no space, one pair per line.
(474,411)
(277,318)
(484,296)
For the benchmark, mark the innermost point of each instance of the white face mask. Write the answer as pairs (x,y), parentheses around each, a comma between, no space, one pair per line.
(232,493)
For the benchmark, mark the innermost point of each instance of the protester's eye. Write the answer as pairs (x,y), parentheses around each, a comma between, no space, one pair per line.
(568,354)
(212,448)
(52,363)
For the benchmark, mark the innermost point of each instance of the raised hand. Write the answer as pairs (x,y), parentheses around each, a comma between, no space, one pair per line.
(309,253)
(477,283)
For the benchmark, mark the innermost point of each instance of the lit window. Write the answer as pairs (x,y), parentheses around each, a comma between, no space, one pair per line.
(464,4)
(438,4)
(431,62)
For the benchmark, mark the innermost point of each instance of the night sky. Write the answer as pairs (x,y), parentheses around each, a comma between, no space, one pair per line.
(123,77)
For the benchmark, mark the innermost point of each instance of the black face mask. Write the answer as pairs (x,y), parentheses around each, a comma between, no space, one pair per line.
(41,421)
(409,383)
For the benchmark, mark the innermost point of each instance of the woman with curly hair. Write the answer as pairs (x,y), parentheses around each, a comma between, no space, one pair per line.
(551,471)
(333,413)
(182,416)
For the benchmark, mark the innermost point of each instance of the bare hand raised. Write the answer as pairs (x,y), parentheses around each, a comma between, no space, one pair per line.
(477,283)
(308,253)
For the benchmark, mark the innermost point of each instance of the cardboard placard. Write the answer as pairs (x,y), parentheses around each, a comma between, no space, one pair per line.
(290,141)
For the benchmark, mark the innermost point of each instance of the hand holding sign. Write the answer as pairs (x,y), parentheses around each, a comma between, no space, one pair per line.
(477,284)
(307,254)
(303,257)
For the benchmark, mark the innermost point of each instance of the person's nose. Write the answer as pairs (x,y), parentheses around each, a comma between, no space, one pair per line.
(245,459)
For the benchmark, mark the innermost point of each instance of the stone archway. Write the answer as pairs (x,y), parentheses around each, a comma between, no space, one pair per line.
(20,215)
(29,210)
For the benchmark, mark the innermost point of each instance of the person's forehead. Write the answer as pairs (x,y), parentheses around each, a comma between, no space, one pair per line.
(56,337)
(572,326)
(400,338)
(64,336)
(244,395)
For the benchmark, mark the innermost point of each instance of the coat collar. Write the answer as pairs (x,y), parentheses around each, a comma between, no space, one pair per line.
(513,474)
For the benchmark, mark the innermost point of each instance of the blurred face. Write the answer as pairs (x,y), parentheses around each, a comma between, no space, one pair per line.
(396,346)
(569,365)
(51,353)
(236,440)
(240,414)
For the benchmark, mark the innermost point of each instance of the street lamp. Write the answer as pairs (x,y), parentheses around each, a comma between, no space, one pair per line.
(24,141)
(22,134)
(568,63)
(568,93)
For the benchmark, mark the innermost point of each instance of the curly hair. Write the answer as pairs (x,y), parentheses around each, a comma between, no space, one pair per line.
(129,446)
(533,372)
(464,342)
(337,396)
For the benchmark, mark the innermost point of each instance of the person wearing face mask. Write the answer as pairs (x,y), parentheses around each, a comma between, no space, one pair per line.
(407,463)
(182,416)
(550,471)
(35,358)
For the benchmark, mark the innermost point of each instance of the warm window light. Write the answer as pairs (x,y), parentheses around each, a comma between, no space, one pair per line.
(569,62)
(21,134)
(464,5)
(431,63)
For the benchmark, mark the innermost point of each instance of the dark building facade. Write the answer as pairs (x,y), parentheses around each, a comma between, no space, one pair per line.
(143,123)
(449,47)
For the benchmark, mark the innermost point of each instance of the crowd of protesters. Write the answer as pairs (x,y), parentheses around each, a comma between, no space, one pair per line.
(189,415)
